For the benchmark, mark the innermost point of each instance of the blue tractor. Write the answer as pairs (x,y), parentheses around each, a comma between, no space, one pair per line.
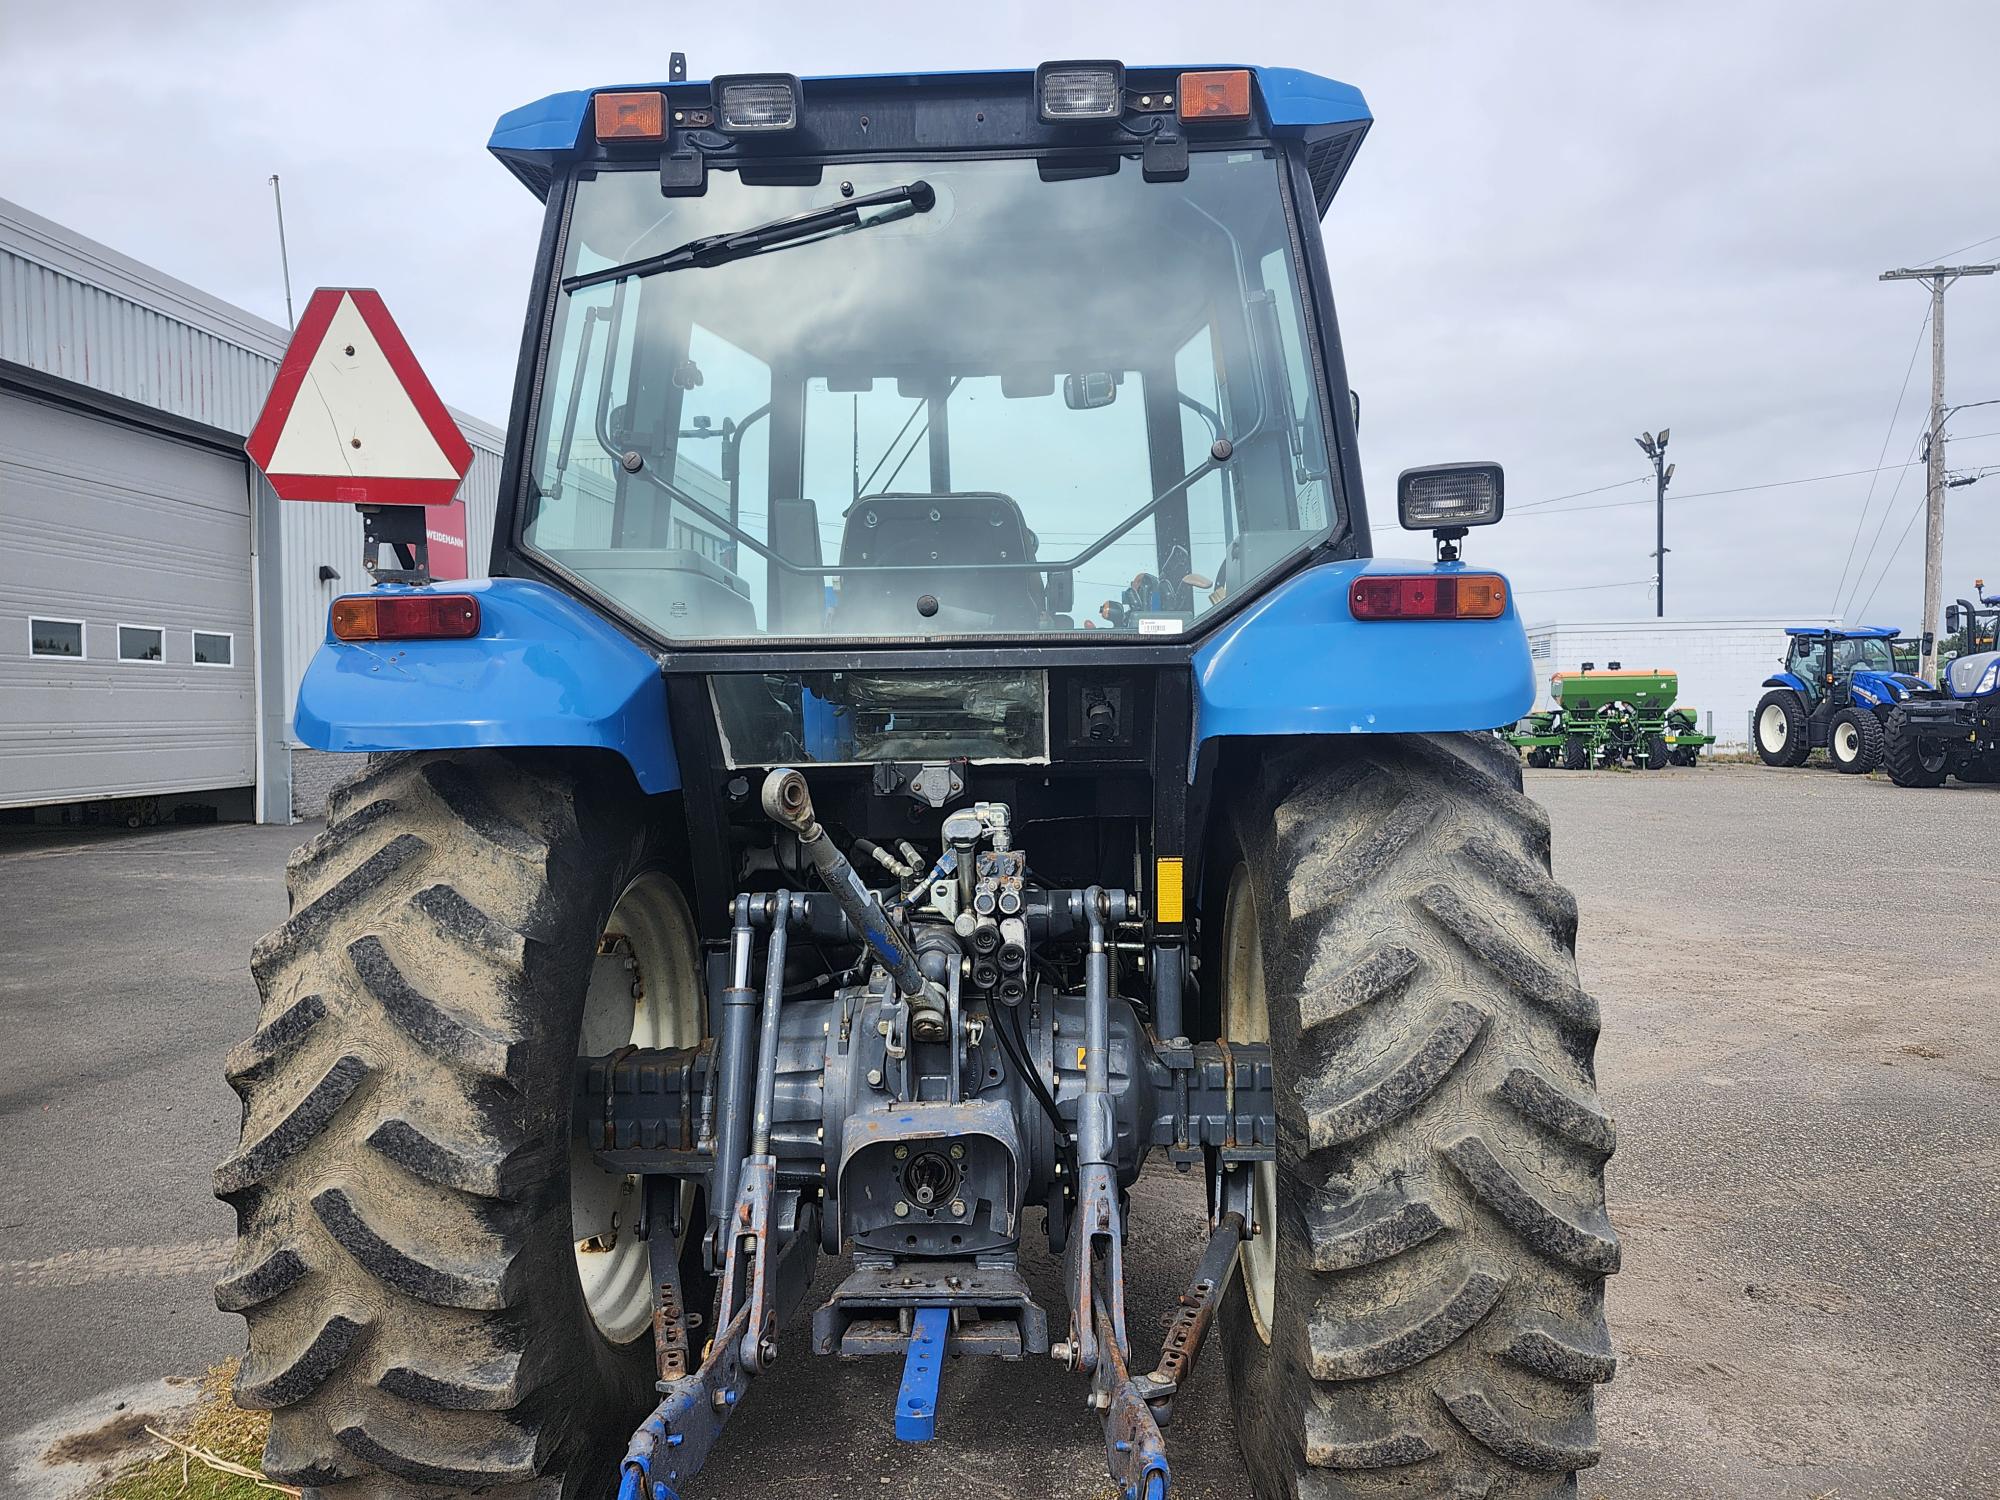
(936,741)
(1954,730)
(1834,692)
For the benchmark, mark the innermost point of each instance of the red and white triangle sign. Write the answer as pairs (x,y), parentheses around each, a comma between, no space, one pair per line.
(351,417)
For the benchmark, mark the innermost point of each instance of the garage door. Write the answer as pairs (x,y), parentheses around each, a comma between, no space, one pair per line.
(125,631)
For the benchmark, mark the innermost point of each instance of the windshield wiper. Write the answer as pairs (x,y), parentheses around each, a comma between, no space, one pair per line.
(717,249)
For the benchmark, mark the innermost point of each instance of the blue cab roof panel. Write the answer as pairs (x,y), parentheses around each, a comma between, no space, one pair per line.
(530,140)
(1846,632)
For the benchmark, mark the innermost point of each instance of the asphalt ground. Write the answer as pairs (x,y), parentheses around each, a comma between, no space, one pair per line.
(1802,1047)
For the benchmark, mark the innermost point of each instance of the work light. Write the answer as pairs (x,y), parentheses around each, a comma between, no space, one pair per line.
(1447,495)
(1073,91)
(757,104)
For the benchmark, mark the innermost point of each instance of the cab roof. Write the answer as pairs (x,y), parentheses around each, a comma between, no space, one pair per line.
(1846,632)
(1331,116)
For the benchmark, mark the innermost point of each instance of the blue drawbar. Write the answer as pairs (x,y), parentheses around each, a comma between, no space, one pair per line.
(1298,662)
(916,1400)
(544,671)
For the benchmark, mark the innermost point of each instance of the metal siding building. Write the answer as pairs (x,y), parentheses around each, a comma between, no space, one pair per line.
(175,601)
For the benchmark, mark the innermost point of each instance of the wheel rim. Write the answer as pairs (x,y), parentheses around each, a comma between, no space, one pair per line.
(643,992)
(1930,755)
(1247,1018)
(1846,742)
(1773,728)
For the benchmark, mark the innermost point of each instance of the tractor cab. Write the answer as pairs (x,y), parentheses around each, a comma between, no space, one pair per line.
(832,383)
(1974,627)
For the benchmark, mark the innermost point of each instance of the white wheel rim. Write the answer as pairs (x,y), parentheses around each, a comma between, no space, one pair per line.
(1846,742)
(1247,1018)
(1773,727)
(649,945)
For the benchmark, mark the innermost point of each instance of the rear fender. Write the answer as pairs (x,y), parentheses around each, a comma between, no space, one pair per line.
(1298,662)
(1790,680)
(542,672)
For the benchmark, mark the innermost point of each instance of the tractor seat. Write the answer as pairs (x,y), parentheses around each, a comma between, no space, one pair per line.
(918,531)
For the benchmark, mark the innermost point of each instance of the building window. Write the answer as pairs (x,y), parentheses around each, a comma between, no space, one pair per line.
(141,643)
(55,637)
(214,648)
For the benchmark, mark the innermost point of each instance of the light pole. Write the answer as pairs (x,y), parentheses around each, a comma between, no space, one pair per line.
(1656,449)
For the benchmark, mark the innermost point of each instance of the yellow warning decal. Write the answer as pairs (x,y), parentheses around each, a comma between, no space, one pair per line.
(1167,890)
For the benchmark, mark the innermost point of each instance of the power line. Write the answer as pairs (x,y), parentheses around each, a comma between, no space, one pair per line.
(1869,499)
(1742,489)
(1908,526)
(1963,248)
(1888,509)
(1575,494)
(1581,588)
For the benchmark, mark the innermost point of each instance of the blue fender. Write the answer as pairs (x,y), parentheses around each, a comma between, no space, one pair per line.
(1790,680)
(1298,662)
(543,671)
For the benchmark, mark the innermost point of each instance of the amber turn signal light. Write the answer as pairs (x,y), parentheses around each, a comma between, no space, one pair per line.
(1428,596)
(1217,95)
(405,617)
(631,117)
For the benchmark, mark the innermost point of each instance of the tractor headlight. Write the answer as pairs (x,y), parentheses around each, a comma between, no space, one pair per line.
(1988,681)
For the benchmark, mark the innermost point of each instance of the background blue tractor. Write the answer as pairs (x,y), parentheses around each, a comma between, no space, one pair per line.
(774,862)
(1834,691)
(1954,730)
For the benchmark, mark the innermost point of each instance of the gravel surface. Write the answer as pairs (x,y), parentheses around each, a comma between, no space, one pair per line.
(1800,1046)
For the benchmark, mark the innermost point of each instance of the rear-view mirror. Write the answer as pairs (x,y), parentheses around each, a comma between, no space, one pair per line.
(1089,389)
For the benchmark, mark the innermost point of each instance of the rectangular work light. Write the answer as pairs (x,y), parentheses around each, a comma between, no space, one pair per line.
(757,104)
(1069,92)
(1447,495)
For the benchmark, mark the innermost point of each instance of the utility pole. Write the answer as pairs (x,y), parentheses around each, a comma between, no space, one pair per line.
(1656,450)
(1937,278)
(284,260)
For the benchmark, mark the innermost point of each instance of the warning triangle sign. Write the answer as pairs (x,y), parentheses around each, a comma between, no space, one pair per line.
(351,417)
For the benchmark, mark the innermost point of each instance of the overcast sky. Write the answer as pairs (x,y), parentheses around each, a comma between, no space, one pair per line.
(1571,223)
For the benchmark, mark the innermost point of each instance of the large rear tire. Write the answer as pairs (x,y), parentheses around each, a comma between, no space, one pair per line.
(1911,757)
(1423,1310)
(440,1290)
(1783,738)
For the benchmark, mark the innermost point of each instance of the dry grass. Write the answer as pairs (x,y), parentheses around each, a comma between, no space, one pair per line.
(213,1455)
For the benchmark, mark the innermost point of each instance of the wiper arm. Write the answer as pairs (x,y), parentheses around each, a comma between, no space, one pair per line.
(717,249)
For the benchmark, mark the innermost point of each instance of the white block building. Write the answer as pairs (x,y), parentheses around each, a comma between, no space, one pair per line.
(1722,663)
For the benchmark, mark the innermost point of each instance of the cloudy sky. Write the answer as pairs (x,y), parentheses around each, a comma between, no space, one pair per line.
(1571,223)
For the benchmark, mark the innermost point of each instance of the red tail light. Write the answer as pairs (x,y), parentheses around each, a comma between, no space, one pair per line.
(406,617)
(1428,596)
